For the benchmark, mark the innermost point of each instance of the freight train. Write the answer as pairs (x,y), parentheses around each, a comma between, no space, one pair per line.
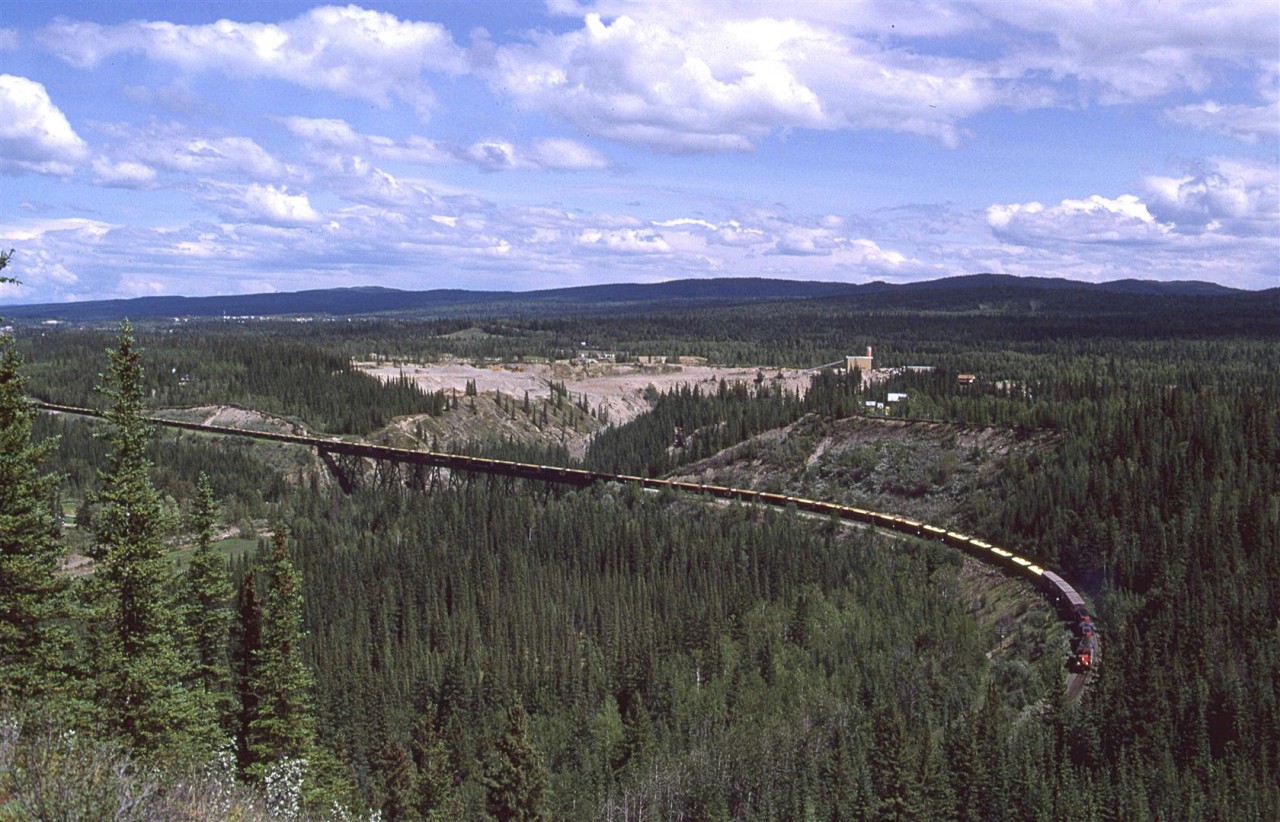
(1065,598)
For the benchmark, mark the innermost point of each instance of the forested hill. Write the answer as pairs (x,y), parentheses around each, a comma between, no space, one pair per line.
(970,289)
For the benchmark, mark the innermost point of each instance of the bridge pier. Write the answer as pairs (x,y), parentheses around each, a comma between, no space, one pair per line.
(348,471)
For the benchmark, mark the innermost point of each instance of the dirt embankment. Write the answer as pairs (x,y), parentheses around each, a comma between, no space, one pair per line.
(925,470)
(232,416)
(619,389)
(612,393)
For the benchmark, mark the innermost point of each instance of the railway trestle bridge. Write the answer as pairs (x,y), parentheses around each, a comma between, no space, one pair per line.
(344,457)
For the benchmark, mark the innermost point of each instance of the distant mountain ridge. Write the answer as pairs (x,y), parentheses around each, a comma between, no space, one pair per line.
(363,300)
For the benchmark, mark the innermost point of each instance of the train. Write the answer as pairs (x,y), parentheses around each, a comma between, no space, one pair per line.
(1072,607)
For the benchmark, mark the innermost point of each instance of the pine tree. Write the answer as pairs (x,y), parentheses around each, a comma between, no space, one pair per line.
(208,596)
(284,727)
(515,777)
(33,596)
(140,665)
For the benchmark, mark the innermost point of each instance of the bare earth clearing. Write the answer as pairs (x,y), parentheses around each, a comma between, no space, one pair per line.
(619,389)
(614,393)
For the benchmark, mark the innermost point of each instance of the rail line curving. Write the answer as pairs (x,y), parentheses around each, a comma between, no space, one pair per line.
(1060,593)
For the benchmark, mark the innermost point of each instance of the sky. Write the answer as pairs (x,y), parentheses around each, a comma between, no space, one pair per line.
(199,148)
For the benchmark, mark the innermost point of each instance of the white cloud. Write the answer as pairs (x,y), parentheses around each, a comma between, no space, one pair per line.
(216,156)
(277,206)
(353,52)
(542,155)
(804,242)
(176,148)
(34,133)
(1247,123)
(45,269)
(125,174)
(339,134)
(566,155)
(553,154)
(359,181)
(711,83)
(8,39)
(1122,52)
(708,76)
(1096,219)
(623,241)
(1227,196)
(31,230)
(1217,224)
(492,155)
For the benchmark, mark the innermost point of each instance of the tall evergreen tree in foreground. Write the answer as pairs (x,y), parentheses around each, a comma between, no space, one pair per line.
(284,727)
(248,657)
(208,594)
(140,664)
(32,594)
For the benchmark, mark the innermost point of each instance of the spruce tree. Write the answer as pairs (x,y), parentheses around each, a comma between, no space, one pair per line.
(515,778)
(140,664)
(401,780)
(637,745)
(33,649)
(208,594)
(284,727)
(437,798)
(247,662)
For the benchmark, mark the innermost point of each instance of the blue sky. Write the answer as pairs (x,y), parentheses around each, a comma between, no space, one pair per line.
(212,147)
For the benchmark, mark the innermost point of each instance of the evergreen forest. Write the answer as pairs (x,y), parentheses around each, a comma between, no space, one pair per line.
(201,627)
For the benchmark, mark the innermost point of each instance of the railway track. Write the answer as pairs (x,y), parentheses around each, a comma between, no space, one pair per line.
(1057,590)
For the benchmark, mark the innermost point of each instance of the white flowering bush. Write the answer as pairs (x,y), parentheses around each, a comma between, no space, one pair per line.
(282,788)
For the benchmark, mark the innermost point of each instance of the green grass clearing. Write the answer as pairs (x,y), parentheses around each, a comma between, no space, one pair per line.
(230,549)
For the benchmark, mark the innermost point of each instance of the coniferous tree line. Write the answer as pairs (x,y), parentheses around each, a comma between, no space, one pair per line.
(265,372)
(1159,496)
(641,636)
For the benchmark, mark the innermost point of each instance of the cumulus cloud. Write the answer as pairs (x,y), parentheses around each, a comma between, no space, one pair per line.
(541,155)
(1229,196)
(1243,122)
(559,154)
(707,76)
(277,206)
(125,174)
(1217,222)
(551,154)
(354,52)
(1096,219)
(216,155)
(43,266)
(1123,52)
(492,155)
(626,240)
(34,134)
(339,134)
(719,83)
(358,181)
